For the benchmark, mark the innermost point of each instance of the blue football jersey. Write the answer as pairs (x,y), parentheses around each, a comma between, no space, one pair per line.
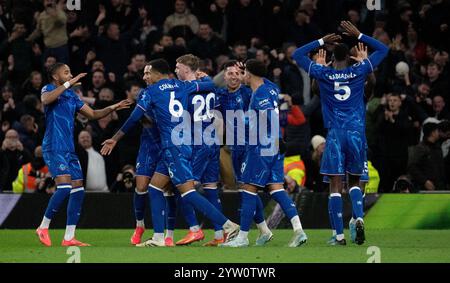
(201,108)
(264,102)
(342,91)
(234,101)
(342,94)
(149,128)
(168,99)
(59,121)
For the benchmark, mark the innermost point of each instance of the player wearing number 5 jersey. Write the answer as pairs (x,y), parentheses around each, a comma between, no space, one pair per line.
(168,100)
(342,94)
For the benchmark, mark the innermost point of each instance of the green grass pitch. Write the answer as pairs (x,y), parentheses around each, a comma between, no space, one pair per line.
(112,246)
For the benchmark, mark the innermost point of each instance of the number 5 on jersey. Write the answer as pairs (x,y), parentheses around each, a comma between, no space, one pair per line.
(340,86)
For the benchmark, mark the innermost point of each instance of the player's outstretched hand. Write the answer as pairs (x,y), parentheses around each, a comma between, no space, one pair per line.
(322,58)
(77,78)
(331,38)
(122,104)
(108,146)
(350,29)
(361,53)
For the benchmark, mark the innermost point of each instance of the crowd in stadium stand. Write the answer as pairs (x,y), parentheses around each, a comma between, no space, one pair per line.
(407,99)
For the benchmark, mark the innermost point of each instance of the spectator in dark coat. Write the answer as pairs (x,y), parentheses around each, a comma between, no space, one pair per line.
(440,112)
(426,166)
(8,111)
(438,84)
(12,156)
(29,132)
(246,21)
(21,54)
(393,126)
(206,44)
(302,30)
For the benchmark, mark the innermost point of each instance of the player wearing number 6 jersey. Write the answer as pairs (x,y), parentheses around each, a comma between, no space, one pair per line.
(342,95)
(168,99)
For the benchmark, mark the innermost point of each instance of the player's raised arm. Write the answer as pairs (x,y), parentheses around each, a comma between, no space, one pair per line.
(48,97)
(381,50)
(301,54)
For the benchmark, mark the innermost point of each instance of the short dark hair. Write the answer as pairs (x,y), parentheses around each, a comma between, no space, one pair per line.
(396,94)
(444,126)
(229,63)
(129,85)
(30,101)
(431,64)
(53,69)
(341,52)
(7,87)
(256,68)
(160,66)
(239,43)
(429,128)
(26,118)
(301,11)
(99,71)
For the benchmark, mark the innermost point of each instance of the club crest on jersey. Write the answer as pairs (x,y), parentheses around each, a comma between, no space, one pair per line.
(62,167)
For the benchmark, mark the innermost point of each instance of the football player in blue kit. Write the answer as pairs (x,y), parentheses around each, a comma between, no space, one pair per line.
(168,100)
(359,53)
(205,157)
(60,105)
(342,95)
(148,157)
(233,102)
(263,165)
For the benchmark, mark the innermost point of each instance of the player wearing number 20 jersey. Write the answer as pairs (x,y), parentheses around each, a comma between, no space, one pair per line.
(206,149)
(168,106)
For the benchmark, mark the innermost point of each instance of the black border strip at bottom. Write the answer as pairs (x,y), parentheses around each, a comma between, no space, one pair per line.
(221,272)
